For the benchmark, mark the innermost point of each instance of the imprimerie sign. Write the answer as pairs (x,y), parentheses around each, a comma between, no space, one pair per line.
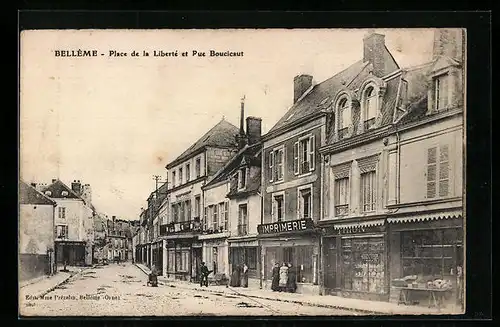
(286,226)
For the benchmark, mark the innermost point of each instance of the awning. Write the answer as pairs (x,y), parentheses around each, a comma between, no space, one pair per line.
(370,223)
(425,217)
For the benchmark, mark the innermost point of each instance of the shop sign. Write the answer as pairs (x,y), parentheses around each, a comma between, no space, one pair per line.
(373,258)
(286,226)
(361,229)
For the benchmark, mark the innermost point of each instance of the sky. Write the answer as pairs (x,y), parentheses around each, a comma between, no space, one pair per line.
(115,122)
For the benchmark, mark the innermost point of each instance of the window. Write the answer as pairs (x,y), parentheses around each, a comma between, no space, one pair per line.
(174,181)
(188,211)
(368,191)
(205,219)
(62,231)
(305,203)
(341,196)
(242,178)
(278,208)
(182,207)
(182,260)
(441,91)
(175,212)
(370,105)
(303,155)
(438,172)
(224,221)
(197,204)
(188,172)
(180,176)
(242,219)
(363,264)
(62,213)
(198,167)
(344,113)
(276,164)
(215,218)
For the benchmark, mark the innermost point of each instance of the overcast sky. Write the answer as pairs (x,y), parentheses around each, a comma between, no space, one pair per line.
(114,122)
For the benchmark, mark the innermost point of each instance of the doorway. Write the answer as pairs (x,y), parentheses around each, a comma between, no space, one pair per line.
(331,258)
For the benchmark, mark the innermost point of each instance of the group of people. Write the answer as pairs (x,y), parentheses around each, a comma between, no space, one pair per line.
(239,277)
(284,278)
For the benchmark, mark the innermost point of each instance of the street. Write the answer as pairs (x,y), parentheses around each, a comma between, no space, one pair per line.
(120,290)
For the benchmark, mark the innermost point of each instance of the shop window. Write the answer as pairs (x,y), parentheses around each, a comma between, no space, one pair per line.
(182,260)
(341,196)
(363,264)
(368,191)
(432,254)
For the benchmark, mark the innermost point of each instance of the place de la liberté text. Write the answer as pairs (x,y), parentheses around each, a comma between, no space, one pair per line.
(147,53)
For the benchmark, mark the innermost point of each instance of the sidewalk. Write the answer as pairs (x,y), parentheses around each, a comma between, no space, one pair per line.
(327,301)
(39,287)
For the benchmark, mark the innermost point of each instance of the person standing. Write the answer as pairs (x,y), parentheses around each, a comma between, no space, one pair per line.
(235,277)
(291,284)
(204,272)
(283,277)
(275,277)
(244,276)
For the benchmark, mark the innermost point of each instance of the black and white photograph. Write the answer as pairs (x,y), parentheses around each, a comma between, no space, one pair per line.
(242,172)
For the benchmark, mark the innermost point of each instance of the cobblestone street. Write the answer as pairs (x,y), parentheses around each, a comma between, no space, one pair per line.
(120,290)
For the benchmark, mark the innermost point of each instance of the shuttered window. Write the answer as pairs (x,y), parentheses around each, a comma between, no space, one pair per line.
(444,171)
(296,158)
(271,166)
(431,172)
(438,172)
(368,190)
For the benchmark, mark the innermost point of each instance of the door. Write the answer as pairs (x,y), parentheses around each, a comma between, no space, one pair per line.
(160,259)
(215,260)
(288,255)
(331,264)
(196,264)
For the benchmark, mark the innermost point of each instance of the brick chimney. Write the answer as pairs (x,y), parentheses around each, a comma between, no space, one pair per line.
(373,52)
(449,42)
(33,185)
(54,180)
(254,130)
(301,83)
(242,137)
(76,186)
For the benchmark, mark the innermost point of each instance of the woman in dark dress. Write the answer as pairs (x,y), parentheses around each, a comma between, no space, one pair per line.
(291,285)
(244,276)
(235,277)
(275,277)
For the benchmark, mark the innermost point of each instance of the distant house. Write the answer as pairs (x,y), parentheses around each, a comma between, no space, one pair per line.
(36,233)
(74,222)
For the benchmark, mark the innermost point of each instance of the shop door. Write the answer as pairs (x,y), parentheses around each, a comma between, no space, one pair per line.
(288,255)
(196,264)
(331,264)
(160,260)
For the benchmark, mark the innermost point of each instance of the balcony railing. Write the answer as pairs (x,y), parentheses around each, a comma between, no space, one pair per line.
(341,210)
(367,124)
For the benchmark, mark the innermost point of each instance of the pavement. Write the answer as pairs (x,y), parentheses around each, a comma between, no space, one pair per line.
(121,290)
(356,306)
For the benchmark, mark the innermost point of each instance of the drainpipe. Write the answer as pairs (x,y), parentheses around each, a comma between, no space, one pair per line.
(259,247)
(398,168)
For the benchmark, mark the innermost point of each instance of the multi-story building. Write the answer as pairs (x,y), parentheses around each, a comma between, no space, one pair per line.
(186,175)
(36,233)
(74,222)
(392,177)
(232,206)
(118,239)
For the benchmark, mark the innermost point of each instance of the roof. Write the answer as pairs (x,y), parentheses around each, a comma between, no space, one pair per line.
(29,195)
(223,134)
(320,96)
(249,153)
(56,189)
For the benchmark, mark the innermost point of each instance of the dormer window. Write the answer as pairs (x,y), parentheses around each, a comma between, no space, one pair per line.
(345,117)
(64,193)
(370,106)
(441,94)
(242,178)
(48,193)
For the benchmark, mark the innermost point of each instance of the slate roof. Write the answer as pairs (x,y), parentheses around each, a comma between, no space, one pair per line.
(29,195)
(251,156)
(57,188)
(321,95)
(223,135)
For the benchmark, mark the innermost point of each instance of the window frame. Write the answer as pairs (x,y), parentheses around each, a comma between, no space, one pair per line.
(181,180)
(188,172)
(242,178)
(436,84)
(273,213)
(61,212)
(300,205)
(244,223)
(437,164)
(309,152)
(373,204)
(64,227)
(273,164)
(198,167)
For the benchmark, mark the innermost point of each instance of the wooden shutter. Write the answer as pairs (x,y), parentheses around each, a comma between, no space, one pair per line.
(431,172)
(311,151)
(205,218)
(296,158)
(444,171)
(273,209)
(271,166)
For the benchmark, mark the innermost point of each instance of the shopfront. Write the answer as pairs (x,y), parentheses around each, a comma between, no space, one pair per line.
(291,242)
(179,259)
(355,260)
(427,251)
(246,251)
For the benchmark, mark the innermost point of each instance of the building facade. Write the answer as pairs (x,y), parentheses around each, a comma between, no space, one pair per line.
(36,233)
(389,209)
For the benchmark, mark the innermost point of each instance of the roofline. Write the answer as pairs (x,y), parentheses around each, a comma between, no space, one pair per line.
(293,125)
(183,158)
(54,203)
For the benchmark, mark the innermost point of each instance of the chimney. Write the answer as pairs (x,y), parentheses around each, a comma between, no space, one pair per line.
(76,186)
(54,180)
(301,83)
(254,129)
(242,141)
(448,42)
(373,52)
(33,184)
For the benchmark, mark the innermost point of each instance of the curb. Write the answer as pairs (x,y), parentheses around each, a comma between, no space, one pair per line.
(338,307)
(42,294)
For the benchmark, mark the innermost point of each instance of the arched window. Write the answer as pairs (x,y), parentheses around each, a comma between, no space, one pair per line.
(370,106)
(344,114)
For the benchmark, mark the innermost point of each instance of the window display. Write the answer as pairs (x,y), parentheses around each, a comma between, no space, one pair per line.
(301,257)
(363,264)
